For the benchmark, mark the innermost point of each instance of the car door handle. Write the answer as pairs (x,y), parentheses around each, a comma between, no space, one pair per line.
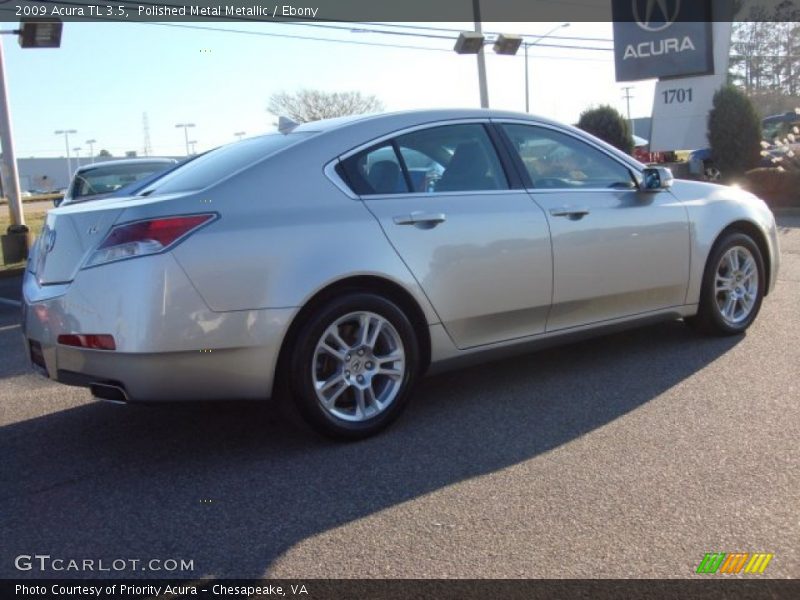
(569,212)
(421,220)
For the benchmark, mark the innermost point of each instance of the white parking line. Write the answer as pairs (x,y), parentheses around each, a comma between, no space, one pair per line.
(9,327)
(9,302)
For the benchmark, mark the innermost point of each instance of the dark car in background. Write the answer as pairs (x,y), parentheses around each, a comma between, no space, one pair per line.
(100,180)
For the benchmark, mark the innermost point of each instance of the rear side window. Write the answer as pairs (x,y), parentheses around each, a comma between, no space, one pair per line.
(376,171)
(448,158)
(217,164)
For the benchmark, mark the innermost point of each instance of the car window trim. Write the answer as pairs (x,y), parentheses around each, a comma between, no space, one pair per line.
(633,169)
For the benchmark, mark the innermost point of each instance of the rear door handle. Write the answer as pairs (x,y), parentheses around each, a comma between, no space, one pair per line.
(570,212)
(421,220)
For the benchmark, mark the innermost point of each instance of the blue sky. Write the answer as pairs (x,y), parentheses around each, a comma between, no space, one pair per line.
(105,76)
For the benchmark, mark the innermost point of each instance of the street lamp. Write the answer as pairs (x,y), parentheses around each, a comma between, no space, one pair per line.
(65,133)
(33,33)
(528,45)
(471,42)
(91,149)
(192,143)
(239,135)
(77,152)
(185,133)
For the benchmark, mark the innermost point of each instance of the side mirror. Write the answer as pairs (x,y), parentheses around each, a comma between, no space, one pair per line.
(655,179)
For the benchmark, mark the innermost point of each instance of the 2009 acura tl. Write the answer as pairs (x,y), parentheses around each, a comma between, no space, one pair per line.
(341,260)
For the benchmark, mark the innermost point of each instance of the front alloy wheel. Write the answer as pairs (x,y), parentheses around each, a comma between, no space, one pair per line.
(733,286)
(736,285)
(353,365)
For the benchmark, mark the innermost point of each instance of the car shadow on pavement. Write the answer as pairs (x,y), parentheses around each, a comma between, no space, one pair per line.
(232,487)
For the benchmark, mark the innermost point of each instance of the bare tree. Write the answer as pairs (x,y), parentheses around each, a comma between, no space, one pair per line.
(312,105)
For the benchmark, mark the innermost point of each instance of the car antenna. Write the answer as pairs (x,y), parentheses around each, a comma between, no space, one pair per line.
(286,125)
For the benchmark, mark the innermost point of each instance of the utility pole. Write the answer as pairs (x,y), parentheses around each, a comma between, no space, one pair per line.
(91,150)
(627,97)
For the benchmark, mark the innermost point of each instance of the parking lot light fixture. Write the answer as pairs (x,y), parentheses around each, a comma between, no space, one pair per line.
(507,44)
(65,133)
(239,135)
(40,33)
(91,150)
(469,42)
(33,33)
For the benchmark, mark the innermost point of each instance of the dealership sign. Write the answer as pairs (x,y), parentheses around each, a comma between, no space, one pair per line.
(662,38)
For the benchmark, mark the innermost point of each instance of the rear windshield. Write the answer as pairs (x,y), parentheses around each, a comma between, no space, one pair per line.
(108,179)
(217,164)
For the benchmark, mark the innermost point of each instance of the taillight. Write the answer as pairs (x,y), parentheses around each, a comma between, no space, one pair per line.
(141,238)
(95,341)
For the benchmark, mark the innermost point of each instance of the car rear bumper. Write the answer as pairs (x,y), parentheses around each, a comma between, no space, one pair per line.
(170,345)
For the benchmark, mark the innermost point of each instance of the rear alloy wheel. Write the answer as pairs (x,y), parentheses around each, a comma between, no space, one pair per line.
(353,366)
(733,286)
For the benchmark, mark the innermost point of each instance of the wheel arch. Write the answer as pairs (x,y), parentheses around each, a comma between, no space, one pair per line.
(360,283)
(753,231)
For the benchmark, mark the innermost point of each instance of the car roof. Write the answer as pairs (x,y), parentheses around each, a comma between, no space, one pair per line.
(401,117)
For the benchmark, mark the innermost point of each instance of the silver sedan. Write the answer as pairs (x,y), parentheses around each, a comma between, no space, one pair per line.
(335,263)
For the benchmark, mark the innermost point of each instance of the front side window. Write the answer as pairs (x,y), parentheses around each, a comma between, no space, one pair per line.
(556,160)
(449,158)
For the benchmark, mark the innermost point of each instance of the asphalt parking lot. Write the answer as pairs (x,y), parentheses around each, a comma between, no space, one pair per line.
(632,455)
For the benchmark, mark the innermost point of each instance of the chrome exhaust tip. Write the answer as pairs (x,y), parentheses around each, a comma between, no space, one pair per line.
(109,391)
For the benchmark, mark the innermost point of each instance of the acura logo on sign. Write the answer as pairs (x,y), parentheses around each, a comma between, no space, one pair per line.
(656,15)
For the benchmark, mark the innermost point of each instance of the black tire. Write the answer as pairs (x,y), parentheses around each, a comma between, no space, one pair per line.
(304,362)
(709,318)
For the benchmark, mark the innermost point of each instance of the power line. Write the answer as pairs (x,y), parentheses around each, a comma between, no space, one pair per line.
(341,41)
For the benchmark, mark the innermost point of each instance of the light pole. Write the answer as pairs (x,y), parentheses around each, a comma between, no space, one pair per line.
(65,133)
(482,83)
(528,45)
(77,151)
(91,150)
(185,133)
(192,143)
(33,33)
(239,135)
(470,42)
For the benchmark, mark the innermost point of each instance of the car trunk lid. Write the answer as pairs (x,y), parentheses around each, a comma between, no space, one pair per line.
(67,237)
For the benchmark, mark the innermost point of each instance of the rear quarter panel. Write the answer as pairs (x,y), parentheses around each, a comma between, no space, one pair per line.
(285,232)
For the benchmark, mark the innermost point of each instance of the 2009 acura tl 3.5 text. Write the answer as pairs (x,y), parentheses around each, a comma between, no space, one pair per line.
(344,258)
